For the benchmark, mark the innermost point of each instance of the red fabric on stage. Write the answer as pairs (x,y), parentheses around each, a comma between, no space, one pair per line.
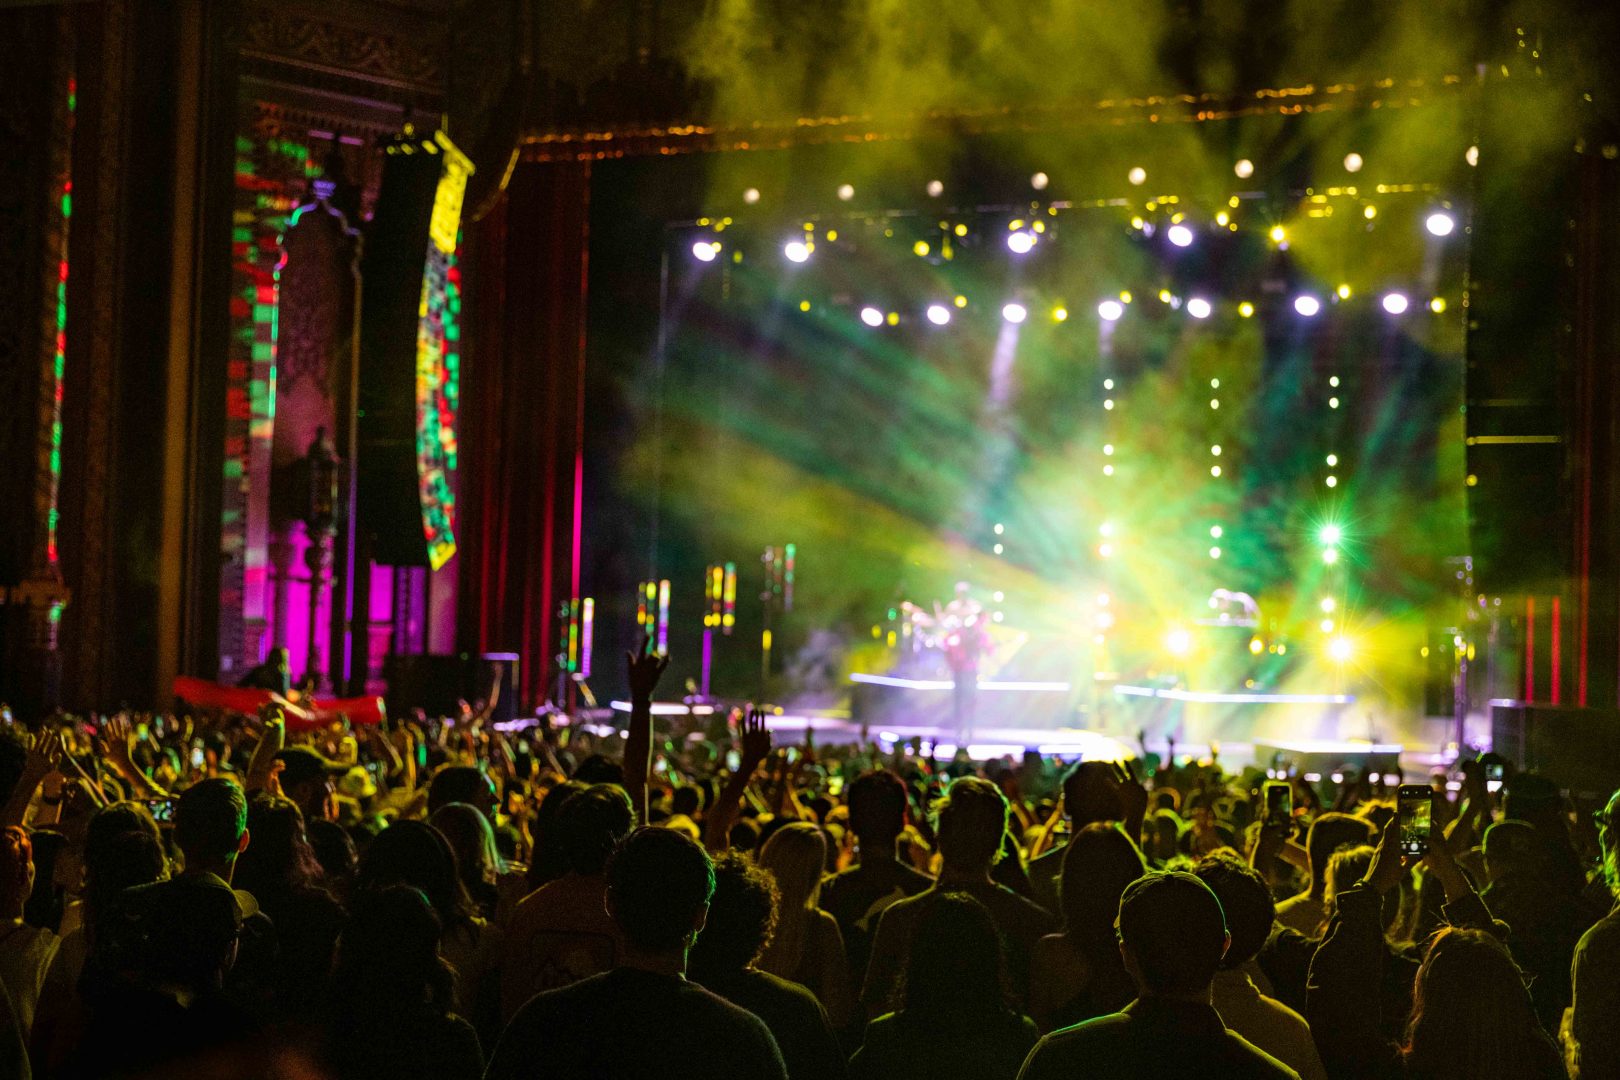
(366,711)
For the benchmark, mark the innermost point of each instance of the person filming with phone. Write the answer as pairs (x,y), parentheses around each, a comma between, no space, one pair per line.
(1470,1015)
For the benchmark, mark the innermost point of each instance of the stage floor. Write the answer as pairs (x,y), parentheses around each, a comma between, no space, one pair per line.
(834,727)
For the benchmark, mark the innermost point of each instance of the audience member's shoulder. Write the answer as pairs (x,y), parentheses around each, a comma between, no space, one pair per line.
(1008,900)
(573,996)
(1244,1059)
(1097,1029)
(1601,939)
(785,989)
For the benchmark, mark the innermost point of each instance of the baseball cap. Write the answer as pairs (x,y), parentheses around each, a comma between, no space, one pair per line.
(301,765)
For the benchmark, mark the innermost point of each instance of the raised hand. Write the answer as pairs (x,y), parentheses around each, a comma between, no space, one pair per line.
(115,737)
(646,667)
(44,753)
(756,742)
(1387,863)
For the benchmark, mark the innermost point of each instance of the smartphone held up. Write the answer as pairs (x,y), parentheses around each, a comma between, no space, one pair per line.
(1415,809)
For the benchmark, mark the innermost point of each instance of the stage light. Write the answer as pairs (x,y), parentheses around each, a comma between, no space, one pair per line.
(1343,291)
(1104,620)
(1108,449)
(1108,470)
(1340,649)
(1328,604)
(1223,218)
(936,188)
(1333,403)
(1108,403)
(920,248)
(1352,162)
(751,196)
(804,305)
(960,230)
(1278,234)
(998,549)
(1039,181)
(1330,555)
(871,316)
(1440,223)
(1332,460)
(706,250)
(1214,384)
(1199,308)
(1000,528)
(1214,403)
(1244,168)
(1256,646)
(1106,528)
(1103,599)
(1108,384)
(960,301)
(1332,481)
(796,251)
(1369,211)
(1110,310)
(1180,235)
(1437,305)
(1333,380)
(1246,309)
(1395,303)
(1327,626)
(939,314)
(1471,155)
(1216,450)
(846,192)
(1330,534)
(1060,314)
(1020,243)
(1215,471)
(1178,642)
(1307,305)
(1137,176)
(1106,551)
(893,318)
(998,596)
(1216,532)
(1014,313)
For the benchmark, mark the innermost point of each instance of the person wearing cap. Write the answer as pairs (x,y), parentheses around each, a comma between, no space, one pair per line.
(1594,1035)
(1540,802)
(1546,922)
(1172,936)
(310,780)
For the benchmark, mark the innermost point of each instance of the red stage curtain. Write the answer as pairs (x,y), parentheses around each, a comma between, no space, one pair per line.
(522,411)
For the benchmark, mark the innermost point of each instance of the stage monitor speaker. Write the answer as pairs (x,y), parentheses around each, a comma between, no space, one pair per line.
(1579,749)
(435,684)
(395,255)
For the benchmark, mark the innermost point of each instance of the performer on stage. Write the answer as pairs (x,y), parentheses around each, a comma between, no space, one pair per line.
(958,628)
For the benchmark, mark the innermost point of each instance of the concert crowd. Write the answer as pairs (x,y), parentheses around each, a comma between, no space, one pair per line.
(211,894)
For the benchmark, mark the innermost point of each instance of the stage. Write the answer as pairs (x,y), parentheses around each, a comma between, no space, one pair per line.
(837,726)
